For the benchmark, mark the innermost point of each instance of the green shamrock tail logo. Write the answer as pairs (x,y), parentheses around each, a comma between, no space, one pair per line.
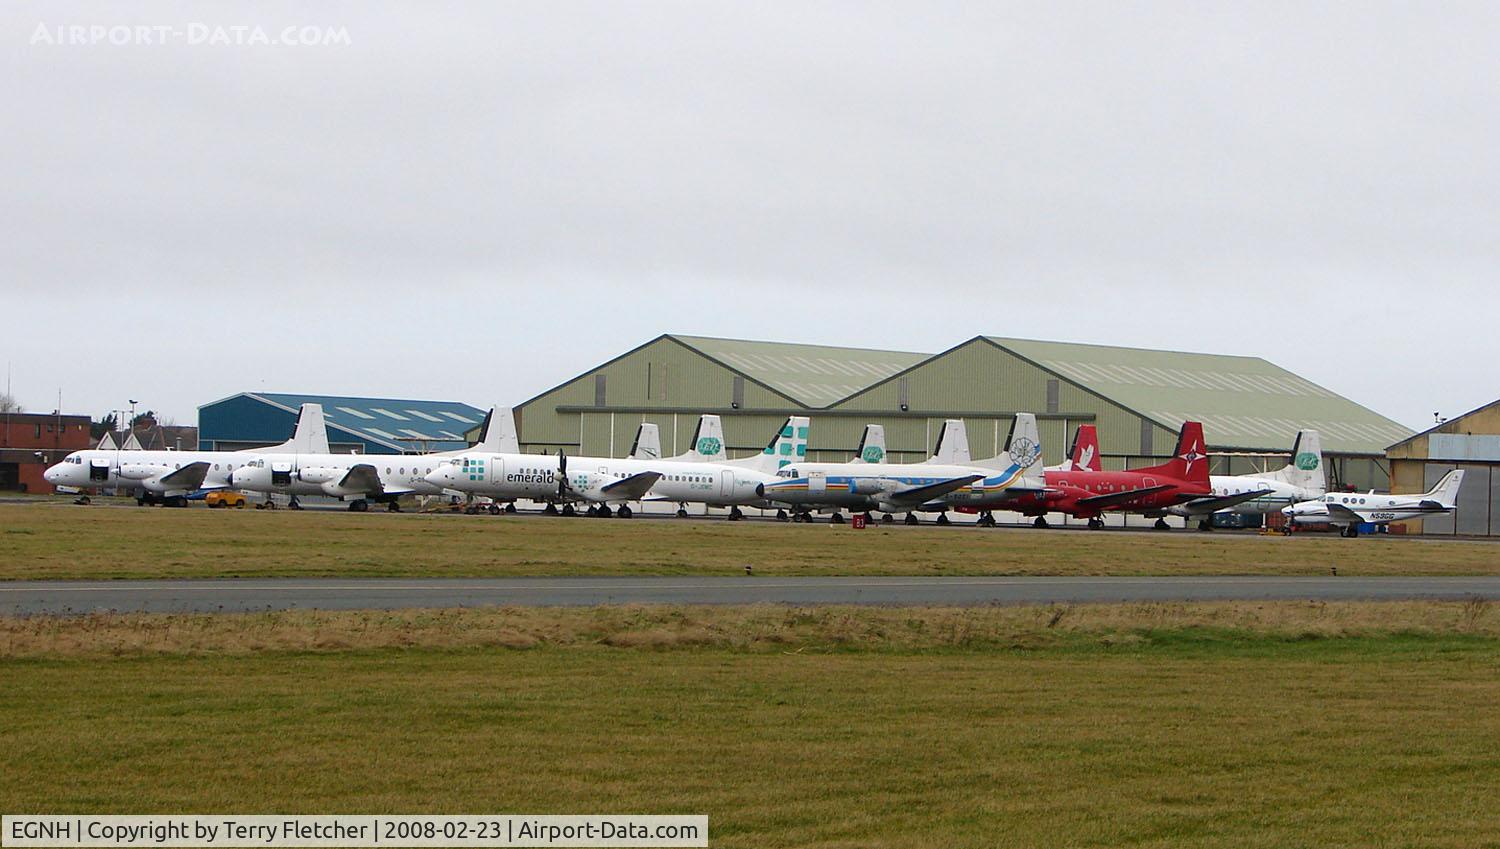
(710,445)
(873,454)
(1307,461)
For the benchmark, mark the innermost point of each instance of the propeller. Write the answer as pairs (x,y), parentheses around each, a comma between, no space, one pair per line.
(562,473)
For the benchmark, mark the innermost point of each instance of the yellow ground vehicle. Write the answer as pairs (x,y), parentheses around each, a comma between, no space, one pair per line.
(224,498)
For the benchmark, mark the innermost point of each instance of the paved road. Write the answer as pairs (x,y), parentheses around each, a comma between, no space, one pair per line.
(62,597)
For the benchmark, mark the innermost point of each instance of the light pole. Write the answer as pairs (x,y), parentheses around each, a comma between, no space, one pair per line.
(131,427)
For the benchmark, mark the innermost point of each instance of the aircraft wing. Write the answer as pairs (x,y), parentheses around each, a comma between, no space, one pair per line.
(1114,499)
(1340,513)
(633,488)
(188,477)
(923,494)
(1223,502)
(364,478)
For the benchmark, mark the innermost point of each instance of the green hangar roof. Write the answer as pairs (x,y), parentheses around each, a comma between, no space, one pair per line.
(812,375)
(1240,400)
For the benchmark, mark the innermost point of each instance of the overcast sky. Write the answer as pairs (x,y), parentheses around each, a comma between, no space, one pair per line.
(476,201)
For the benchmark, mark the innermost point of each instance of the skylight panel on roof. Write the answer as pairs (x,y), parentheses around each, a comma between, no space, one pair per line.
(384,412)
(382,433)
(360,413)
(416,434)
(450,434)
(421,415)
(457,417)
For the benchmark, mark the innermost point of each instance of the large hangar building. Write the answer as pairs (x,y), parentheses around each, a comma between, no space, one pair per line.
(1470,442)
(1138,398)
(355,425)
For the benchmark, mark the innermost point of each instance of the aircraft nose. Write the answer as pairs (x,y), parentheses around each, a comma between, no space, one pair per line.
(51,475)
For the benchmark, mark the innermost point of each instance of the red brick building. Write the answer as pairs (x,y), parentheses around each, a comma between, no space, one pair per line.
(30,442)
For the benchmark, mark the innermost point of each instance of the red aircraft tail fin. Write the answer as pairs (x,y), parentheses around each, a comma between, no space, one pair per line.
(1189,461)
(1085,453)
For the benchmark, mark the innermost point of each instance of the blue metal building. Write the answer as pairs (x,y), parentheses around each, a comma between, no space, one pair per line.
(361,425)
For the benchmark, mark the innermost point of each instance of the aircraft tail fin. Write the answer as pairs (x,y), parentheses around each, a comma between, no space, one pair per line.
(310,436)
(1024,447)
(647,445)
(1446,491)
(1306,467)
(952,444)
(707,445)
(871,445)
(789,445)
(497,435)
(1189,461)
(1084,453)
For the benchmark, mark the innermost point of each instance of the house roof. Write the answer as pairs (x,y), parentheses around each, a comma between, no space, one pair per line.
(1242,401)
(399,424)
(812,375)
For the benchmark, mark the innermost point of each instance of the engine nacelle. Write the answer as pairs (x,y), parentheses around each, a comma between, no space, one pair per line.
(319,474)
(871,486)
(141,471)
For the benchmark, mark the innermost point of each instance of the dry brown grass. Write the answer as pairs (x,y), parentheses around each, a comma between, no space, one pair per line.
(61,541)
(749,628)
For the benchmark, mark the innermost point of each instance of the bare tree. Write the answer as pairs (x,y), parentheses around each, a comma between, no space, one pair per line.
(8,404)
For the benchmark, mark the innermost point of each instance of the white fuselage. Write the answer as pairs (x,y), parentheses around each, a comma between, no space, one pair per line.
(537,477)
(1372,508)
(1281,495)
(326,474)
(119,468)
(876,485)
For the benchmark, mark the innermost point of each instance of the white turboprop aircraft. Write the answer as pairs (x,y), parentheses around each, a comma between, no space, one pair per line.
(912,487)
(360,478)
(604,481)
(167,477)
(1301,479)
(1347,510)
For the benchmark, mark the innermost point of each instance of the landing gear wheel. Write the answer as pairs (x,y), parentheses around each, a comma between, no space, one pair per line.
(1161,525)
(836,519)
(82,499)
(605,512)
(1205,524)
(294,504)
(682,513)
(986,520)
(624,512)
(943,519)
(735,515)
(1041,522)
(359,505)
(494,509)
(510,508)
(911,519)
(551,510)
(392,507)
(1096,523)
(140,502)
(886,518)
(566,511)
(804,517)
(592,512)
(781,516)
(868,518)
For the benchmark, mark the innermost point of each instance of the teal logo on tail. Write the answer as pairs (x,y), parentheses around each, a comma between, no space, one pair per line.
(873,454)
(710,446)
(1307,461)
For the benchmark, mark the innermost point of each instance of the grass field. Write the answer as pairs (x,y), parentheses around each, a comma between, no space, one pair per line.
(58,540)
(1164,725)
